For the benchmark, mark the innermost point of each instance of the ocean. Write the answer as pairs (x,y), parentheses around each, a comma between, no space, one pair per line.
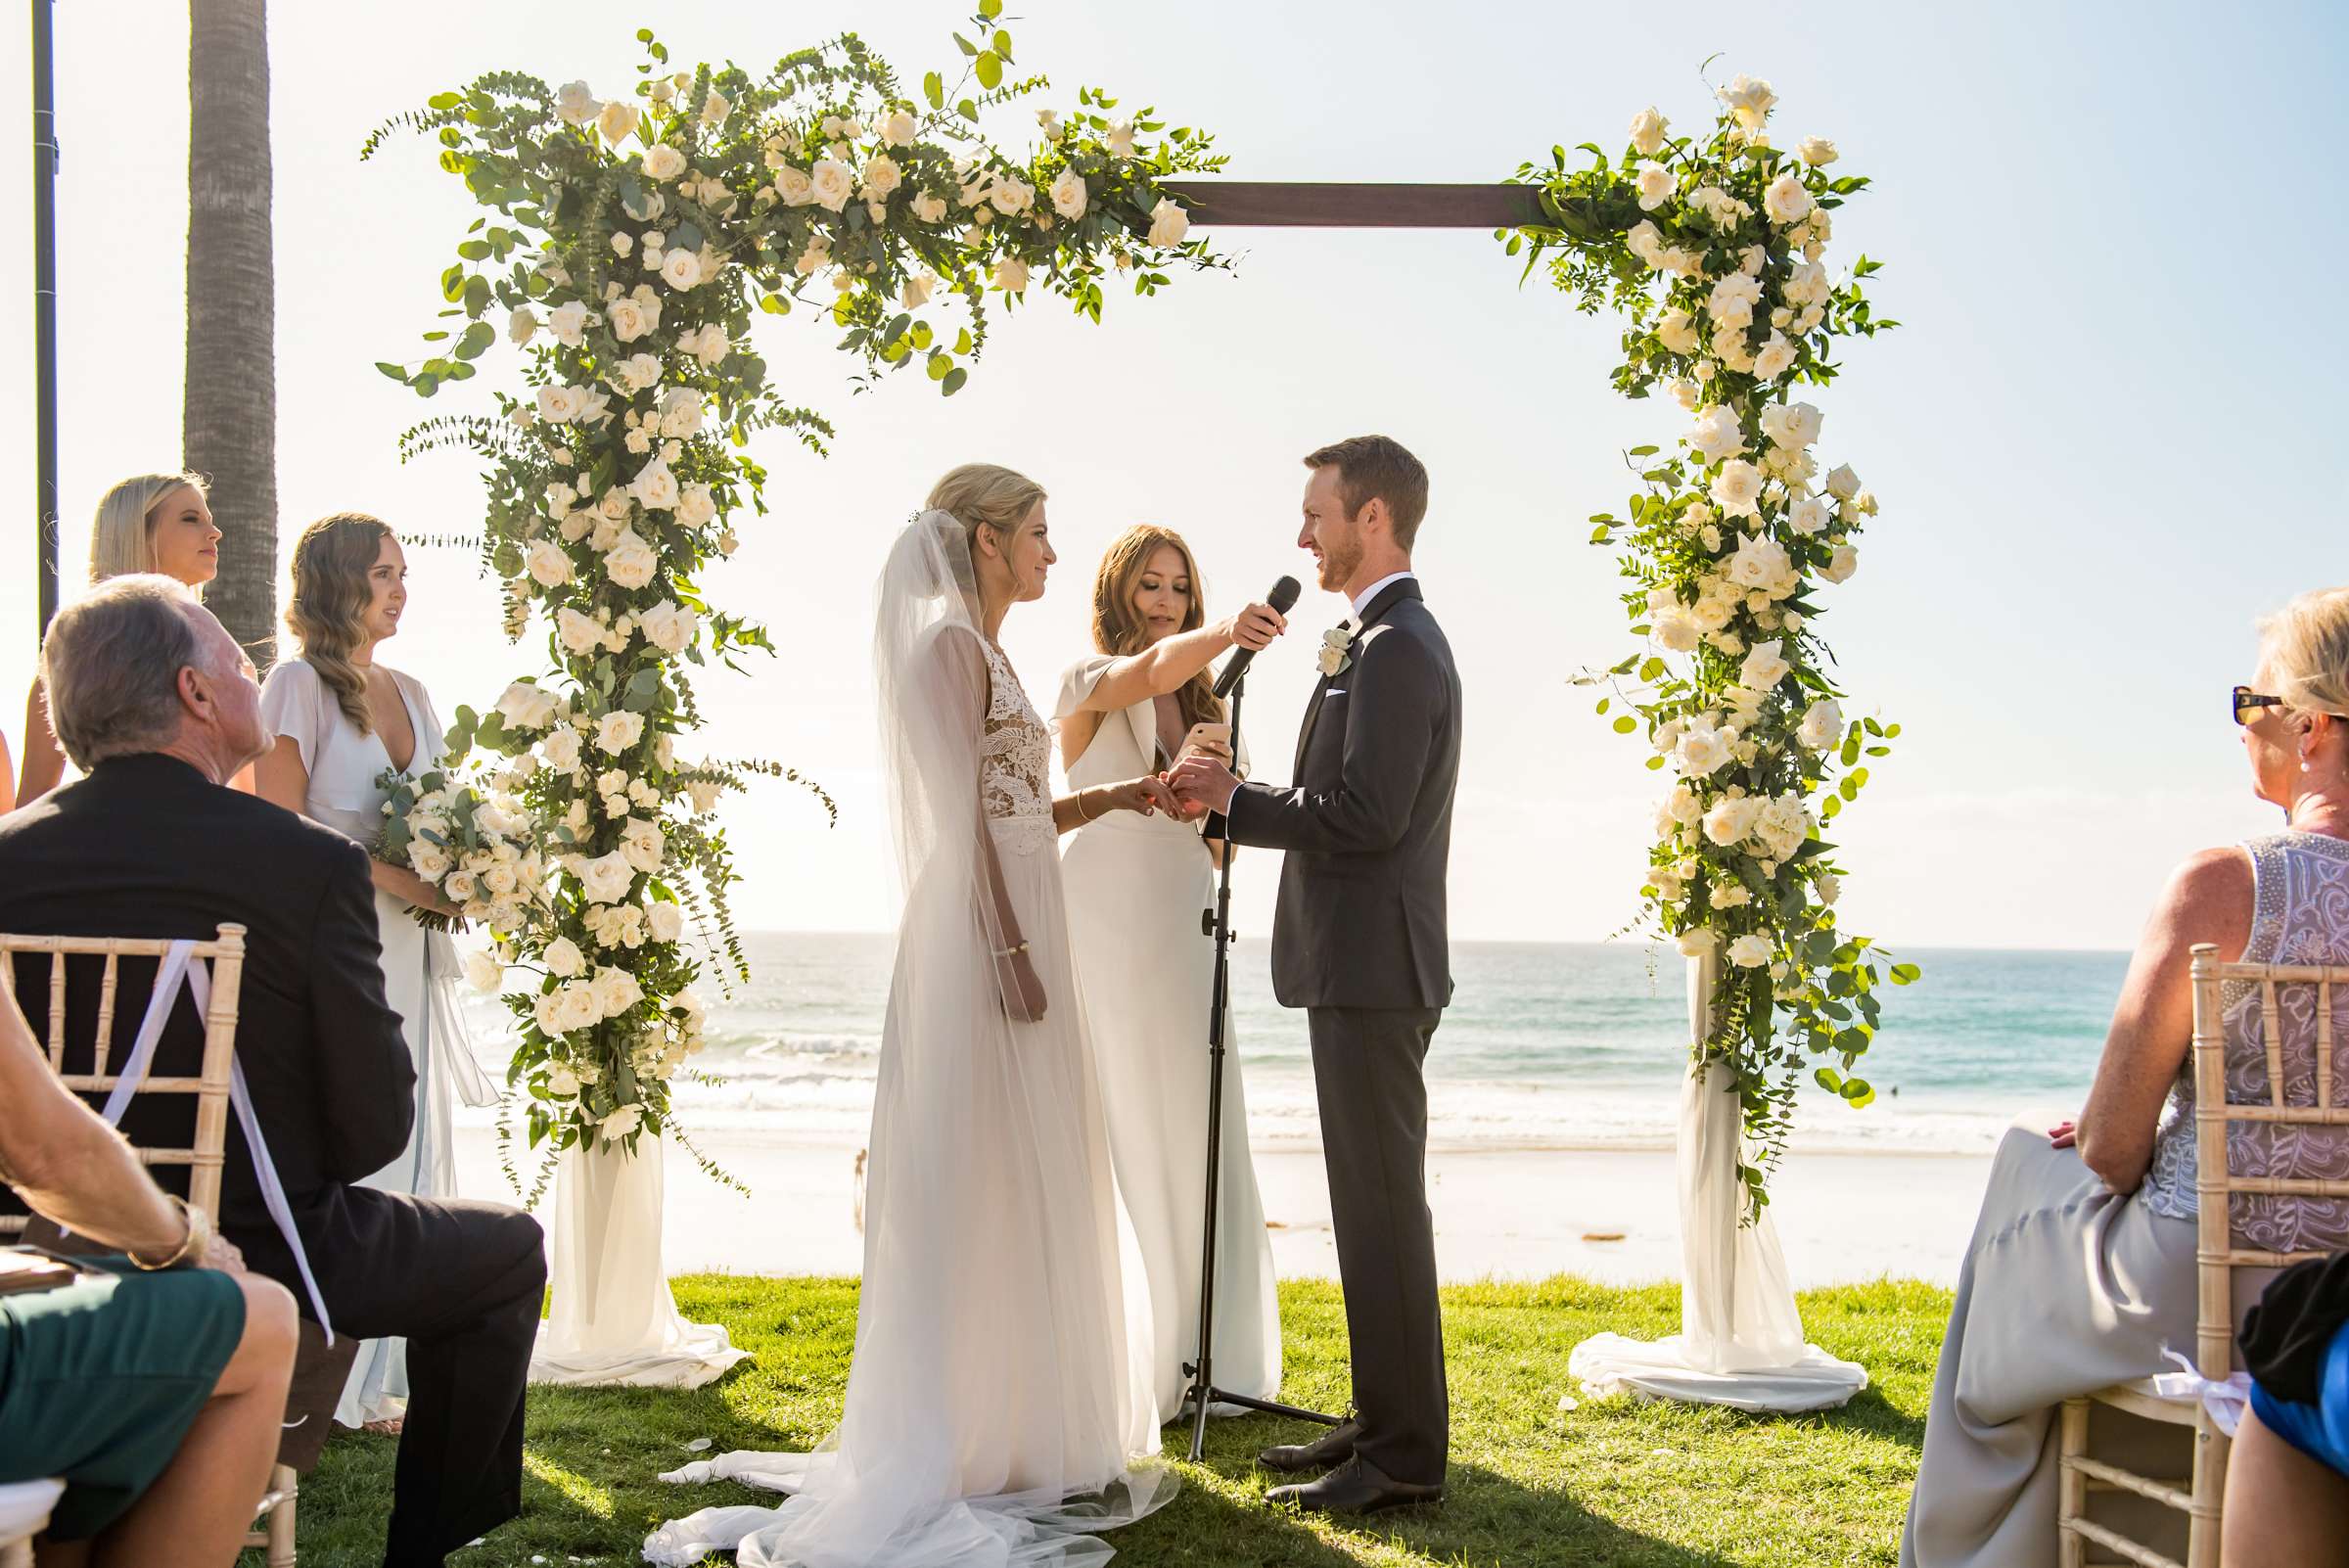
(1545,1045)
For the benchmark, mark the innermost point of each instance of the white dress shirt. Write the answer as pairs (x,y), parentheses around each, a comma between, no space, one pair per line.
(1362,599)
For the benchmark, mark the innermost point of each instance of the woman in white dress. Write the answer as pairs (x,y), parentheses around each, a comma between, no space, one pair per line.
(343,721)
(998,1405)
(1135,890)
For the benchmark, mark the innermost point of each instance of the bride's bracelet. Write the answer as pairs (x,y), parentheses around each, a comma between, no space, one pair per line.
(1083,815)
(1012,951)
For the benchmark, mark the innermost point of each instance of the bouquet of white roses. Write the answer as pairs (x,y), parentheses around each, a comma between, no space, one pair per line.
(470,840)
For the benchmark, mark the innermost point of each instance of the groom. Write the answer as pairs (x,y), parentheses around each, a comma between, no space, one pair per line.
(1359,942)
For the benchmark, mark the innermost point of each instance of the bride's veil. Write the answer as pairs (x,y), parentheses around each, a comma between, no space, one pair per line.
(891,1484)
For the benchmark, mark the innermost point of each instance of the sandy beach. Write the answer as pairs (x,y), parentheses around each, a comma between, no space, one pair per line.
(1505,1213)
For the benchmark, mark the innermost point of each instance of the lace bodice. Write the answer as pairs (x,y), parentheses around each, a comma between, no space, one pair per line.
(2300,915)
(1015,761)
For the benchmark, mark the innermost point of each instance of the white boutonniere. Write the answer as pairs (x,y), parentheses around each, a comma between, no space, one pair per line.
(1334,645)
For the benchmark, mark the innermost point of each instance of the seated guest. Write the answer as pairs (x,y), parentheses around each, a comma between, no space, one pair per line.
(153,1385)
(2287,1478)
(157,704)
(2082,1266)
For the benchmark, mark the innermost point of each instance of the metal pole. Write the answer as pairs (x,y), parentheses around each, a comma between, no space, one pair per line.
(44,309)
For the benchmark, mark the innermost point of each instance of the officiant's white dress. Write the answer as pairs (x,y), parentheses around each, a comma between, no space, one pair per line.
(1137,886)
(421,968)
(997,1410)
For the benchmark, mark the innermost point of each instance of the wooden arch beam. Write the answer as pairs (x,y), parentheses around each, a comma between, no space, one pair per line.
(1293,204)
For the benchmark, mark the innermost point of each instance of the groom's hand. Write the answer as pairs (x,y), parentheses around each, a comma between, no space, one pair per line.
(1204,784)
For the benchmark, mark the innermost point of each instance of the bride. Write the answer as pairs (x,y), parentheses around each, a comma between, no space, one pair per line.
(1135,890)
(1000,1392)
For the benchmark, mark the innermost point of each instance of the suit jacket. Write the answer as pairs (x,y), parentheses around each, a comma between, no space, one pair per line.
(1361,919)
(148,846)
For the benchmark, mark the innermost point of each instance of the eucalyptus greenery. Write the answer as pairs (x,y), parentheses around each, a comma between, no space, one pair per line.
(627,247)
(1712,245)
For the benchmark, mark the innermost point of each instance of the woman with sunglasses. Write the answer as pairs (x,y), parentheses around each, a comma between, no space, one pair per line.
(2082,1266)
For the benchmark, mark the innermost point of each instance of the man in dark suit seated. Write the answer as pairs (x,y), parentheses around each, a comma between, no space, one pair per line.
(156,702)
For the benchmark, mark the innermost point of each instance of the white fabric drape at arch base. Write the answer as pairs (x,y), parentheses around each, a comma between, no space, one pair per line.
(1740,1342)
(613,1318)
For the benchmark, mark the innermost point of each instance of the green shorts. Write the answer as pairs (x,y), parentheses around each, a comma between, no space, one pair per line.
(100,1379)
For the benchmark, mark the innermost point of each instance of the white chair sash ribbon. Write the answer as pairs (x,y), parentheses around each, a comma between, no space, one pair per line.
(178,967)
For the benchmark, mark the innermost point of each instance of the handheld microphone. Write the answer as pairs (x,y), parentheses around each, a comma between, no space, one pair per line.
(1282,598)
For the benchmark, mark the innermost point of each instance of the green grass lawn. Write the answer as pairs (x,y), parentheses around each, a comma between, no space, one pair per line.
(1614,1483)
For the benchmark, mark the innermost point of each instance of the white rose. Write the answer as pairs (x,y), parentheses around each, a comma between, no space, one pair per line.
(1718,434)
(619,730)
(1787,201)
(1069,195)
(681,413)
(615,991)
(704,793)
(1843,483)
(1750,951)
(1168,223)
(669,628)
(1647,131)
(1676,330)
(628,319)
(662,161)
(484,973)
(620,1123)
(1821,726)
(1732,818)
(524,705)
(562,1084)
(563,958)
(695,506)
(681,269)
(568,323)
(794,186)
(618,122)
(1830,886)
(1011,274)
(655,489)
(1682,805)
(521,326)
(898,130)
(1646,242)
(1809,516)
(917,290)
(1791,425)
(562,749)
(1697,941)
(1765,665)
(575,103)
(1750,98)
(1738,487)
(1011,195)
(1817,150)
(1760,561)
(559,405)
(1841,563)
(665,921)
(1654,183)
(643,843)
(1704,749)
(606,879)
(929,209)
(1676,630)
(831,183)
(1776,358)
(1732,301)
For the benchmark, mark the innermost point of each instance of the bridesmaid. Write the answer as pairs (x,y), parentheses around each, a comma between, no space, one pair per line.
(148,523)
(1135,889)
(342,720)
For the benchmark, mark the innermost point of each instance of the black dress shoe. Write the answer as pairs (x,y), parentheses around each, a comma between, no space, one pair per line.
(1336,1447)
(1356,1487)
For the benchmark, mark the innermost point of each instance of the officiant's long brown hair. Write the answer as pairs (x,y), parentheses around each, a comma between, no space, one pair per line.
(327,614)
(1118,631)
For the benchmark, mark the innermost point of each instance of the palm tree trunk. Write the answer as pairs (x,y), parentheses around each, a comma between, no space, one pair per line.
(228,420)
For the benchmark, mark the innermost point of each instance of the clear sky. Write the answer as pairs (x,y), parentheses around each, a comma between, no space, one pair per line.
(2101,441)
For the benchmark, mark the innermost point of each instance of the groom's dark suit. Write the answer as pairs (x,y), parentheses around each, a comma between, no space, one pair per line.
(1359,940)
(148,846)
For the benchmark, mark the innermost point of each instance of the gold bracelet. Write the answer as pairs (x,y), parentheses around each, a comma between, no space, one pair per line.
(197,1240)
(1083,815)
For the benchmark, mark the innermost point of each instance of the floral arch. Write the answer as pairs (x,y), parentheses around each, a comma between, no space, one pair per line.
(627,247)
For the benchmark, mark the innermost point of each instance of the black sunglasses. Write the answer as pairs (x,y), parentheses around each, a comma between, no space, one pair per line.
(2247,701)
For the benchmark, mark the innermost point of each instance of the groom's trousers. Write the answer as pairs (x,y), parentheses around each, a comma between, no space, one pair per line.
(464,1284)
(1373,1101)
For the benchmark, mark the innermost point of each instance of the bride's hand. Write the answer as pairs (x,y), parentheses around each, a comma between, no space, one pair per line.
(1147,795)
(1255,626)
(1022,991)
(1207,740)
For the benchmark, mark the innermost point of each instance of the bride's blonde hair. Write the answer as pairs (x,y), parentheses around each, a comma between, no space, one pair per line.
(986,495)
(123,538)
(327,614)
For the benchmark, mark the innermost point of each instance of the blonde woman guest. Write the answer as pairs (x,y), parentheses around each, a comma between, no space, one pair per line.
(999,1402)
(2082,1266)
(1135,884)
(148,523)
(343,719)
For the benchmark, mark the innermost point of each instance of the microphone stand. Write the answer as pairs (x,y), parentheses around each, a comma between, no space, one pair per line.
(1203,1393)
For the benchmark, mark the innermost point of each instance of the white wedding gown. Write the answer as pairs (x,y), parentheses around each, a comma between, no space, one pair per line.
(421,968)
(1137,886)
(996,1409)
